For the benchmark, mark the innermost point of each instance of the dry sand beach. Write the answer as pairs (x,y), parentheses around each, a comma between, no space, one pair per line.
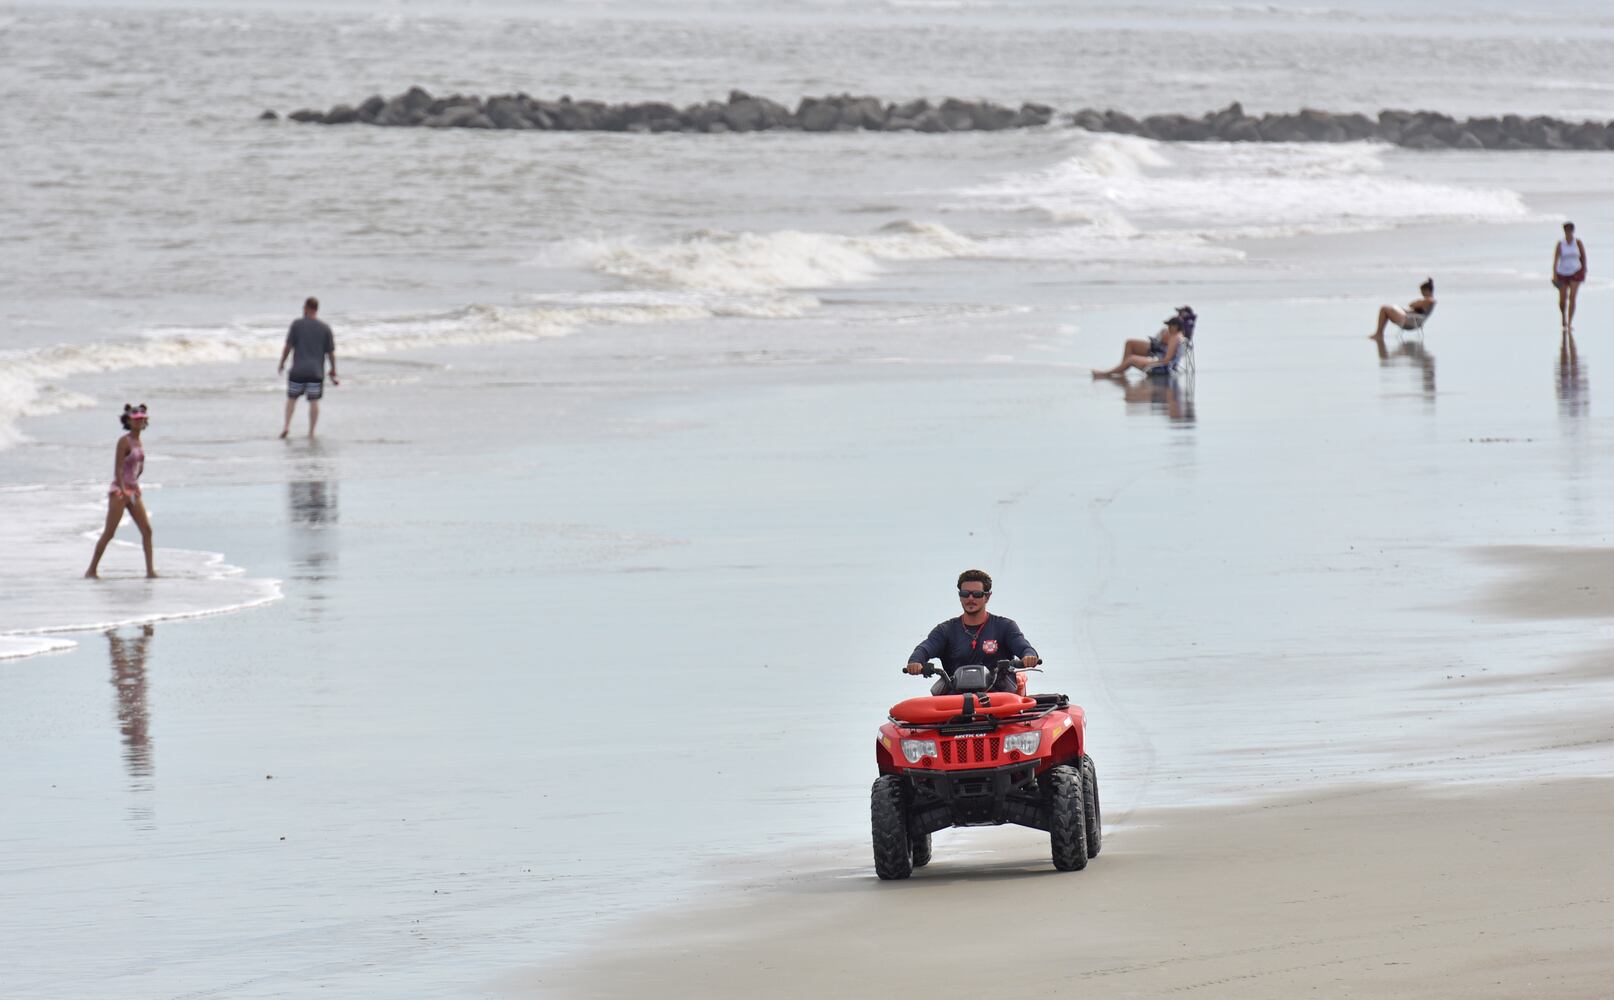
(1382,891)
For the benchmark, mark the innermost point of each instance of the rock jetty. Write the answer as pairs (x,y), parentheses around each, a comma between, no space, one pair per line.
(743,112)
(1411,129)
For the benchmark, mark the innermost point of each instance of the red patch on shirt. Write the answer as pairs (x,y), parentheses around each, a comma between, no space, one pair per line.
(989,646)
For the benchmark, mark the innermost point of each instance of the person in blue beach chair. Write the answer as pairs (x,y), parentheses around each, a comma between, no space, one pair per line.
(1168,352)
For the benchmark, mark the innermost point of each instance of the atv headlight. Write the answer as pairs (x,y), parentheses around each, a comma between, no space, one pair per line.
(1026,743)
(915,749)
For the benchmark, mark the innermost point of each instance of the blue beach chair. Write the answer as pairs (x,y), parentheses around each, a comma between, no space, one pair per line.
(1181,366)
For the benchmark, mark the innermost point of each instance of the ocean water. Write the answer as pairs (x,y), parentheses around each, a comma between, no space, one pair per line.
(641,438)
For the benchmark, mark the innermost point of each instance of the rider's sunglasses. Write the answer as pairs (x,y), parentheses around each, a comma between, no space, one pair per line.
(977,594)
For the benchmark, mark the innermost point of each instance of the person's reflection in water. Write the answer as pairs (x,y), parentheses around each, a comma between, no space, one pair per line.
(1574,398)
(134,719)
(1411,353)
(311,500)
(1168,394)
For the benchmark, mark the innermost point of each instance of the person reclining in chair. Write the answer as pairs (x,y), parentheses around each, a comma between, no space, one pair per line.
(1159,352)
(973,637)
(1418,310)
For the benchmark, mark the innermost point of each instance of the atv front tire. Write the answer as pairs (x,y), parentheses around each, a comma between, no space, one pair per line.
(893,857)
(1067,826)
(921,849)
(1091,813)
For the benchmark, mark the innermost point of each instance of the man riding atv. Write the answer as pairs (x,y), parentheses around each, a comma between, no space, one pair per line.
(973,637)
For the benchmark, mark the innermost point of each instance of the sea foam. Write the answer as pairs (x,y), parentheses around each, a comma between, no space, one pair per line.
(48,536)
(748,262)
(1126,198)
(33,381)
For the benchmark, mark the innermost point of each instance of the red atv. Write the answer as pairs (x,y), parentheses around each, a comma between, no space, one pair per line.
(978,757)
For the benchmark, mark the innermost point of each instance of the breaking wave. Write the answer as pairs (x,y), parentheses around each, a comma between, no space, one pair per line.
(761,262)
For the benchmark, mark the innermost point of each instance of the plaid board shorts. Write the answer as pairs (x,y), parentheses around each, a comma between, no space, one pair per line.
(313,390)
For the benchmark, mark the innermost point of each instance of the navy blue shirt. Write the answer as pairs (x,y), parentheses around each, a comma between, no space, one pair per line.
(310,340)
(959,645)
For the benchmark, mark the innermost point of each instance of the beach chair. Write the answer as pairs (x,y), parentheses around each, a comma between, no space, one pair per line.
(1416,321)
(1181,366)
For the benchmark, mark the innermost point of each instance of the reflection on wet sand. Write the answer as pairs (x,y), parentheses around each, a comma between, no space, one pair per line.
(312,509)
(1574,395)
(1170,395)
(1411,354)
(134,719)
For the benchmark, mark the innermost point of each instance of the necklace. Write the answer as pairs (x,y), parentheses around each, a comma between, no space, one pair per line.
(976,637)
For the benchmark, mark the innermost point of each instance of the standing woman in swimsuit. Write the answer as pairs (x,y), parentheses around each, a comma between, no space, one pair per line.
(1568,271)
(125,492)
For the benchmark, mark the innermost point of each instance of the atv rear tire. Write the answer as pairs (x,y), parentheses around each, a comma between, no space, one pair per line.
(921,849)
(893,857)
(1091,813)
(1067,827)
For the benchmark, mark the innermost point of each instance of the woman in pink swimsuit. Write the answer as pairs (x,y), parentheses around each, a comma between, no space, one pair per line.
(125,491)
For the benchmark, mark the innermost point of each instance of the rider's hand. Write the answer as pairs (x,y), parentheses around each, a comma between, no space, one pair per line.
(914,668)
(1029,661)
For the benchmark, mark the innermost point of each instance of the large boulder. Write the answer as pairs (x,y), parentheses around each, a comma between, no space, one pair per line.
(1421,140)
(1177,128)
(989,117)
(818,114)
(459,116)
(507,111)
(342,114)
(745,113)
(1282,128)
(699,117)
(306,115)
(1221,121)
(1357,127)
(648,114)
(1115,121)
(910,110)
(1032,115)
(1243,130)
(415,99)
(405,109)
(1489,131)
(958,115)
(862,112)
(1090,119)
(931,121)
(1317,125)
(268,116)
(1587,135)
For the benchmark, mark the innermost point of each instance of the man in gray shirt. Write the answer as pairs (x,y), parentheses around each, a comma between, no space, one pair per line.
(307,344)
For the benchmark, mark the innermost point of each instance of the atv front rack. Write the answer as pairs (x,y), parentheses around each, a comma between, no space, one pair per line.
(969,725)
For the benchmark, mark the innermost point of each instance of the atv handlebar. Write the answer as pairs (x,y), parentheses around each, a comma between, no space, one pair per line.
(932,671)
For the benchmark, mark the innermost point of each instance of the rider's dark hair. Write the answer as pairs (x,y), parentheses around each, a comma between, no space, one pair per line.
(1427,286)
(975,576)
